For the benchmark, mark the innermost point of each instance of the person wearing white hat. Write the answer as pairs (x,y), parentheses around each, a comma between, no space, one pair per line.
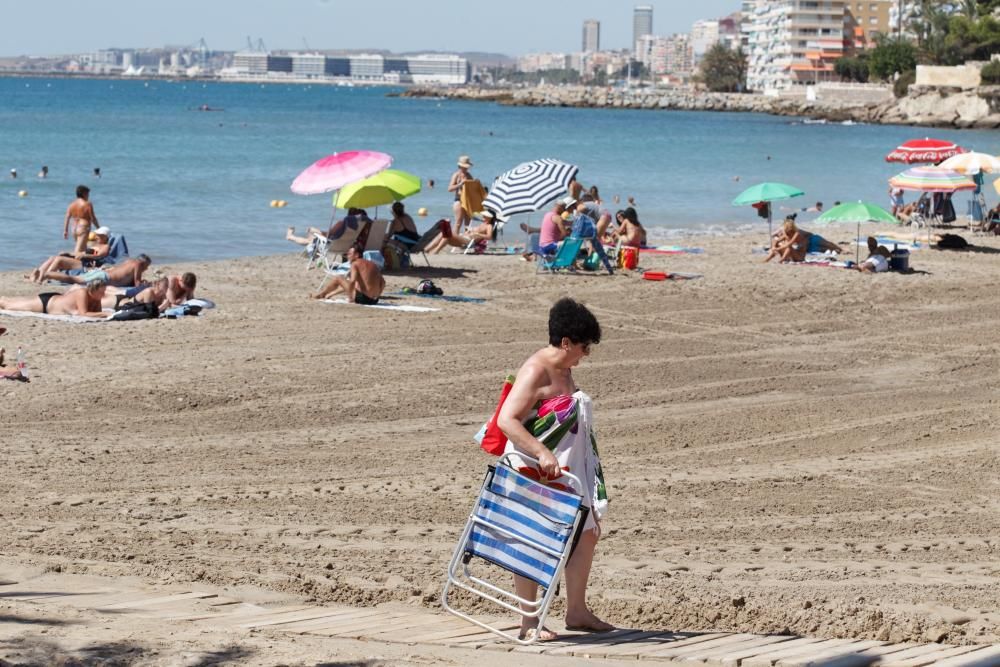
(458,179)
(93,255)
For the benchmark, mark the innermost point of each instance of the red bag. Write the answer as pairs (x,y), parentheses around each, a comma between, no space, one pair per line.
(494,439)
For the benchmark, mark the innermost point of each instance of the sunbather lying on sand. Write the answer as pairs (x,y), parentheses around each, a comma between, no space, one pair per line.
(92,256)
(127,274)
(82,302)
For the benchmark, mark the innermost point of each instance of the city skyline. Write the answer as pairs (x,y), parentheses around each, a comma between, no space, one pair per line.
(62,27)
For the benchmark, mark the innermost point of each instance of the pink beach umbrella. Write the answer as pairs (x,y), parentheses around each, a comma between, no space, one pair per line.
(335,171)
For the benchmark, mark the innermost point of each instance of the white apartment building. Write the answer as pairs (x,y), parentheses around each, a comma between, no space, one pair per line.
(434,68)
(539,62)
(665,55)
(704,35)
(794,42)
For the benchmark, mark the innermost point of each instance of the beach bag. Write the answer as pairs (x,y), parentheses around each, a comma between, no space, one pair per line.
(428,287)
(593,262)
(952,242)
(135,310)
(494,441)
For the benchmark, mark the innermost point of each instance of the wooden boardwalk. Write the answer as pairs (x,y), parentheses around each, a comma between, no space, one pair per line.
(402,624)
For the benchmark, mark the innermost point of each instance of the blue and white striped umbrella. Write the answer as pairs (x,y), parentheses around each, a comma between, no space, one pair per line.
(529,187)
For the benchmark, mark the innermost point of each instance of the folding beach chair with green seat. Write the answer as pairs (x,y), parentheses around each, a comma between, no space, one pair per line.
(521,526)
(566,255)
(421,245)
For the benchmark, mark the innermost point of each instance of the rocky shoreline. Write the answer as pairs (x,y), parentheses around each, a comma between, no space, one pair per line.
(924,106)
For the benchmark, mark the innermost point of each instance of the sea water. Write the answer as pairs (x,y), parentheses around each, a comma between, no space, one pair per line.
(185,184)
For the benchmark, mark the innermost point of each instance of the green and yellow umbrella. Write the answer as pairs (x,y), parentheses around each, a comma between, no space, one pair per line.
(383,188)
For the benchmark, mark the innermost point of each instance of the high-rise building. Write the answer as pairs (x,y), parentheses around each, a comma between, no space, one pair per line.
(794,42)
(642,23)
(864,20)
(704,35)
(591,36)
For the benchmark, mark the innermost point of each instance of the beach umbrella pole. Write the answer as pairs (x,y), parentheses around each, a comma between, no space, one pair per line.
(857,246)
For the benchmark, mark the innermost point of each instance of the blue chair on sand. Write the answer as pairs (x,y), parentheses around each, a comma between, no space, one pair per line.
(569,250)
(118,249)
(517,525)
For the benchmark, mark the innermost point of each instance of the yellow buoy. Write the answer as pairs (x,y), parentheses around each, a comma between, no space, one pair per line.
(274,203)
(282,203)
(422,212)
(22,193)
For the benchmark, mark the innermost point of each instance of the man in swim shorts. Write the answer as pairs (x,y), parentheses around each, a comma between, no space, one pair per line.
(81,213)
(127,274)
(363,285)
(94,255)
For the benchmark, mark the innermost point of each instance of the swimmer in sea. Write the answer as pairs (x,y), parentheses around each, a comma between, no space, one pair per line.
(81,213)
(44,173)
(13,173)
(97,172)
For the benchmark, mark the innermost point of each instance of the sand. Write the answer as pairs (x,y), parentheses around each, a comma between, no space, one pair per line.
(788,448)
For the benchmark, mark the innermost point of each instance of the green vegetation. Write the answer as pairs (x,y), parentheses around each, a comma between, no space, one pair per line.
(890,56)
(853,69)
(991,74)
(723,70)
(903,83)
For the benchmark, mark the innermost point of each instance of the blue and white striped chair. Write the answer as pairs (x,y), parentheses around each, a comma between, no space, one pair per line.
(524,527)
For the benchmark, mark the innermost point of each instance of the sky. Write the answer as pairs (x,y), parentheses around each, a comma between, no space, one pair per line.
(513,27)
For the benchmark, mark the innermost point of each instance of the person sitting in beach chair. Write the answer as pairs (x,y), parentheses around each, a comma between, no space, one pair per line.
(127,274)
(82,302)
(585,227)
(402,228)
(877,260)
(553,229)
(482,232)
(93,255)
(363,285)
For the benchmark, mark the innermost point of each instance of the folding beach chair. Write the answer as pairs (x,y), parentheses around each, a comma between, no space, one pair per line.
(521,526)
(421,245)
(569,250)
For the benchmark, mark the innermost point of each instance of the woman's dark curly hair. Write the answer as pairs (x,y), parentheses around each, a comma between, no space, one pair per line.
(570,319)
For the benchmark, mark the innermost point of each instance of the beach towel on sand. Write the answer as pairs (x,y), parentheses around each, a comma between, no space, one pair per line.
(386,306)
(564,424)
(72,319)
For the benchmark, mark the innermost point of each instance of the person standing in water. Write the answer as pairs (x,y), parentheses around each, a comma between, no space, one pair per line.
(80,213)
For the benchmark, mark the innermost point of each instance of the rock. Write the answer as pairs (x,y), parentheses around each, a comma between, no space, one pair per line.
(739,602)
(936,634)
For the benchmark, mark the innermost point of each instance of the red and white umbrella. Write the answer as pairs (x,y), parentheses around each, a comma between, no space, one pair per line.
(335,171)
(924,150)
